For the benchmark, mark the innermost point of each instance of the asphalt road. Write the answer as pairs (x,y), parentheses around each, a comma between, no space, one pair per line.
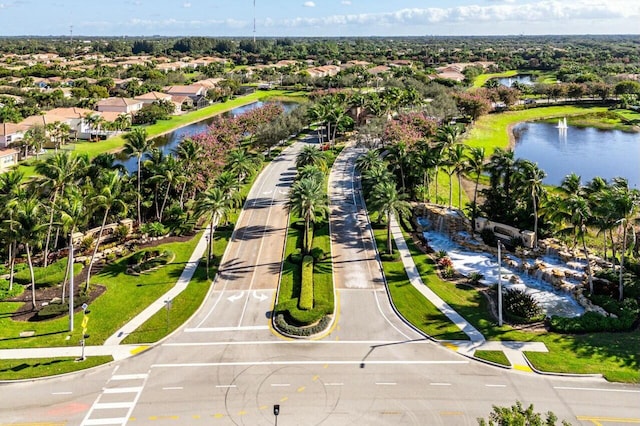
(226,366)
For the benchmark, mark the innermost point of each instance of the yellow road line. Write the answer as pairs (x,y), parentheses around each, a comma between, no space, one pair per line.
(450,346)
(138,350)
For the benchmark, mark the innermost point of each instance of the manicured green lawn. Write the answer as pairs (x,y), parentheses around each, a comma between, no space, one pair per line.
(411,304)
(497,357)
(491,131)
(483,78)
(125,295)
(15,369)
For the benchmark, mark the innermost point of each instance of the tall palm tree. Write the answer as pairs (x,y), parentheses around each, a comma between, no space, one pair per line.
(74,212)
(55,173)
(530,178)
(577,210)
(215,203)
(34,139)
(107,197)
(137,145)
(375,175)
(368,160)
(399,154)
(387,201)
(169,175)
(310,155)
(30,229)
(242,164)
(457,162)
(475,166)
(189,153)
(309,200)
(423,159)
(446,136)
(12,193)
(625,206)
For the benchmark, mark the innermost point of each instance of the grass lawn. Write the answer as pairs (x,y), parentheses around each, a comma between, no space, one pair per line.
(491,131)
(125,294)
(483,78)
(411,304)
(497,357)
(15,369)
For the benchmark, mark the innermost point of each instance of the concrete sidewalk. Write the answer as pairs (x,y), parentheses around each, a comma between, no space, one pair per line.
(416,281)
(118,352)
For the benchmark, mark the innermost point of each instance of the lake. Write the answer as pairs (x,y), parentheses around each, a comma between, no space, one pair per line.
(588,152)
(168,142)
(520,78)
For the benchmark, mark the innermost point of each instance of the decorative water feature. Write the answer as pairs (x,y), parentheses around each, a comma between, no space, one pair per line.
(520,78)
(557,286)
(562,125)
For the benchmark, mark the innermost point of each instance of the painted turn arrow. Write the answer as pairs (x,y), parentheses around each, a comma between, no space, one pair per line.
(235,297)
(259,296)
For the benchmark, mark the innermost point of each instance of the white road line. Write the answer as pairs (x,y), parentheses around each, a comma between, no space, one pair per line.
(263,363)
(112,421)
(61,393)
(334,384)
(173,388)
(111,405)
(129,377)
(496,386)
(440,384)
(386,383)
(597,389)
(225,386)
(218,329)
(122,390)
(280,385)
(295,342)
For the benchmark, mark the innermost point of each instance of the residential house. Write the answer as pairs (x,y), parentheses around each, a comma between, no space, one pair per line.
(323,71)
(8,158)
(151,97)
(121,105)
(10,133)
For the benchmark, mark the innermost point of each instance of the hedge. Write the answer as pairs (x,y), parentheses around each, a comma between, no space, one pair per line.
(306,293)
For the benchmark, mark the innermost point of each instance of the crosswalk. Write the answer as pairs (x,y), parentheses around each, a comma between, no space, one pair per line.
(117,400)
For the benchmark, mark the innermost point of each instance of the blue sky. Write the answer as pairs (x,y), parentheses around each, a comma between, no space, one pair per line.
(318,17)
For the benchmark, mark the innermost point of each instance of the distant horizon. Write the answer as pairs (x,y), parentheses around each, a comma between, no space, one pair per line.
(317,18)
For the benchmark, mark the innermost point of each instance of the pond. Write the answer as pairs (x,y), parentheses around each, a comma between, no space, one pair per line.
(588,152)
(169,141)
(520,78)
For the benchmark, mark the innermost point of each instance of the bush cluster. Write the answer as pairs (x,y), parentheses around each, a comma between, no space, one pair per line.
(306,292)
(590,322)
(293,330)
(145,260)
(521,306)
(56,309)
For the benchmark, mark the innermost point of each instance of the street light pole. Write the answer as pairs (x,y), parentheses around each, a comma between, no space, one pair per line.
(499,283)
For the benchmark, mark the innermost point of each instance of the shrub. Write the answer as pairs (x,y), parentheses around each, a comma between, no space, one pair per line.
(4,290)
(488,237)
(445,262)
(475,278)
(121,232)
(590,322)
(440,254)
(154,229)
(145,260)
(521,305)
(306,293)
(448,272)
(56,309)
(87,243)
(293,330)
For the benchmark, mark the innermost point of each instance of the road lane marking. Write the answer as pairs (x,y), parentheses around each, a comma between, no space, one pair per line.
(61,393)
(334,384)
(597,389)
(440,384)
(111,405)
(596,420)
(235,297)
(129,377)
(173,388)
(280,385)
(301,389)
(496,386)
(324,363)
(219,329)
(285,342)
(386,383)
(225,386)
(122,390)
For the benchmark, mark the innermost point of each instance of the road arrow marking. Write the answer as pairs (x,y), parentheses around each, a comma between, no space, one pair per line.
(235,297)
(260,296)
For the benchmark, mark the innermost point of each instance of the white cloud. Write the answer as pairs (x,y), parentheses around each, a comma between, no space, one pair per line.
(186,5)
(309,4)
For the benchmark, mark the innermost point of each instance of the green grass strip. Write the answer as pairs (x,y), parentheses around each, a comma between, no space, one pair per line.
(32,368)
(483,78)
(496,357)
(306,293)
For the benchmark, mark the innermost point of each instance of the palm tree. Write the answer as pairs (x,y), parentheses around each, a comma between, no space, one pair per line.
(368,160)
(240,162)
(73,213)
(387,201)
(375,175)
(457,163)
(189,153)
(29,229)
(137,145)
(625,205)
(55,173)
(215,203)
(399,155)
(579,215)
(11,194)
(530,177)
(446,136)
(107,197)
(34,139)
(475,166)
(308,199)
(310,155)
(169,174)
(424,161)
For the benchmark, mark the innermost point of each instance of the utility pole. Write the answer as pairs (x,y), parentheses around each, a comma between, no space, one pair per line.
(254,21)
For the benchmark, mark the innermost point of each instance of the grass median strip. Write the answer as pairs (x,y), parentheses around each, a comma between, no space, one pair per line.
(14,369)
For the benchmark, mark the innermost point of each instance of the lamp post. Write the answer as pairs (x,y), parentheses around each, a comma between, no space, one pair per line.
(499,283)
(624,248)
